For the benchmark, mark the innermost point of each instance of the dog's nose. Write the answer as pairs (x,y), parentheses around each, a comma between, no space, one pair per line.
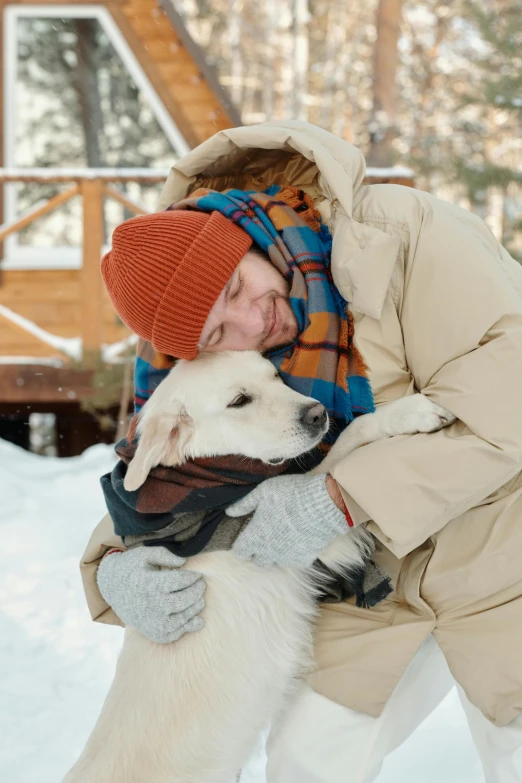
(314,416)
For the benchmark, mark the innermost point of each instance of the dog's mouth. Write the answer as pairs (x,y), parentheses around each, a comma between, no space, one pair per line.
(310,446)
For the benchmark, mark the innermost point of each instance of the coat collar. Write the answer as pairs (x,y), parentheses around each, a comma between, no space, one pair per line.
(363,259)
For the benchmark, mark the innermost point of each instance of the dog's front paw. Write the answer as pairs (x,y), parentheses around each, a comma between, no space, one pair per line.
(436,419)
(422,415)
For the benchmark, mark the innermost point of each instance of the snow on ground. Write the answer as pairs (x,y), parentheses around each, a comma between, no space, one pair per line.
(56,665)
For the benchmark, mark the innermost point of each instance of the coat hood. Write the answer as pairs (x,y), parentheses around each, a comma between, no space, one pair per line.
(302,155)
(305,155)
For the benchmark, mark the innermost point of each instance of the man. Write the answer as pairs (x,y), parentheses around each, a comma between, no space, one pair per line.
(437,307)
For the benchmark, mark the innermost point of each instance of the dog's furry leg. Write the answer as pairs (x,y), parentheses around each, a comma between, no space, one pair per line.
(405,416)
(190,712)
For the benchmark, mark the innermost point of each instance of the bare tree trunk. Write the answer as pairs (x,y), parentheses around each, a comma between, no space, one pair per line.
(333,45)
(236,55)
(285,97)
(269,64)
(495,195)
(301,18)
(87,89)
(386,60)
(346,90)
(89,100)
(426,104)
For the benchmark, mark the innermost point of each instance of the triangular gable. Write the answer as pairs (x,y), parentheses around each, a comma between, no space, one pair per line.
(176,67)
(173,64)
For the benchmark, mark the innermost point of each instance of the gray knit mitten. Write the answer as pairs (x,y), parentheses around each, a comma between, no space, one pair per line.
(150,592)
(295,519)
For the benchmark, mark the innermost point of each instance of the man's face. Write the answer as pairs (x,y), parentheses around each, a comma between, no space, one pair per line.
(252,312)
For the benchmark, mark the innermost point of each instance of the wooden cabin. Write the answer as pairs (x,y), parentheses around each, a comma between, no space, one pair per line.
(62,348)
(58,331)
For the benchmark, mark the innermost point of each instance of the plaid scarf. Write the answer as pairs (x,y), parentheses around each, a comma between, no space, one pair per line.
(323,363)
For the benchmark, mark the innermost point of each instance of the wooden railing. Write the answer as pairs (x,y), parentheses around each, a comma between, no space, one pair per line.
(93,186)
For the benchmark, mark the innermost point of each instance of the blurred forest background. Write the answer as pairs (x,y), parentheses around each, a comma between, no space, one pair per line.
(436,86)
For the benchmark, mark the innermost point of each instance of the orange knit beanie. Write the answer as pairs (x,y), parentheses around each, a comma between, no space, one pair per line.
(165,272)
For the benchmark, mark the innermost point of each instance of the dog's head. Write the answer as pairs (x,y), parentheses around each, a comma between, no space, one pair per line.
(232,402)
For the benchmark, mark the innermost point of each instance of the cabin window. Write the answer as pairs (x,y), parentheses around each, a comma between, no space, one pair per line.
(75,97)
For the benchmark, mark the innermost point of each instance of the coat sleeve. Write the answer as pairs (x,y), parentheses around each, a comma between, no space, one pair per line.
(462,325)
(102,539)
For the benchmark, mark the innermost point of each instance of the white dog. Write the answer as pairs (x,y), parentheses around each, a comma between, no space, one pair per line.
(190,712)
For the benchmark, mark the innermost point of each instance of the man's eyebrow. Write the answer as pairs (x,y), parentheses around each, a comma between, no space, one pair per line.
(227,287)
(226,291)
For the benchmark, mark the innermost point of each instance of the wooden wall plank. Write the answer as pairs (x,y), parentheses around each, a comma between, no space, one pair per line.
(51,299)
(136,44)
(174,63)
(39,383)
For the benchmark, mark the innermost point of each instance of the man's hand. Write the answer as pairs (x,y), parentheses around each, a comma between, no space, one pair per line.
(335,493)
(150,592)
(295,519)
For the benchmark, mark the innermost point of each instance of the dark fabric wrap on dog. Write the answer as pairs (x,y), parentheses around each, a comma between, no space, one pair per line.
(184,509)
(206,485)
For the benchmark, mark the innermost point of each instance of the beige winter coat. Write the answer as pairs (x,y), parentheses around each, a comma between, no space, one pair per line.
(438,309)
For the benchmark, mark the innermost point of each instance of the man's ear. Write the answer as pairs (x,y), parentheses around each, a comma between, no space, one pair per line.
(162,439)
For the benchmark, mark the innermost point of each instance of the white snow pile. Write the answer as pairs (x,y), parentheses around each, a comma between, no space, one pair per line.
(56,665)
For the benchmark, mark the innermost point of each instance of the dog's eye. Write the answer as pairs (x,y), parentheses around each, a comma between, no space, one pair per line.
(240,401)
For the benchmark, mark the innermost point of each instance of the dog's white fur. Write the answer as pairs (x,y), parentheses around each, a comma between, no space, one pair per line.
(190,712)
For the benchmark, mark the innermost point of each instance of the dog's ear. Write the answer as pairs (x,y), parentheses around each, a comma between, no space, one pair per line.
(162,440)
